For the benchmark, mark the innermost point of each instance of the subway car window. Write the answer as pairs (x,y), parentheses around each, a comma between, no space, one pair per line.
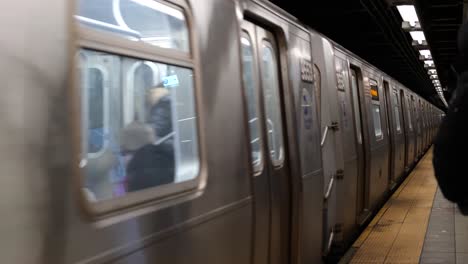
(408,112)
(396,109)
(144,76)
(137,20)
(94,89)
(376,109)
(159,144)
(251,92)
(271,94)
(357,119)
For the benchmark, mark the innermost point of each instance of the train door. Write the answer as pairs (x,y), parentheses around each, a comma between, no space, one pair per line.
(271,175)
(405,127)
(391,135)
(418,126)
(362,182)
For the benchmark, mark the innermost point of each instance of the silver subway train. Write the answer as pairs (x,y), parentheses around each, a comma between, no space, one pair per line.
(191,131)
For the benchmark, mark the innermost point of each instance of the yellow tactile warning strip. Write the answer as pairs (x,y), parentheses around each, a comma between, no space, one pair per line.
(396,234)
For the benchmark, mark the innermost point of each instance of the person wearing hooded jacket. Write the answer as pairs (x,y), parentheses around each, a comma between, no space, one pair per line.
(149,165)
(451,144)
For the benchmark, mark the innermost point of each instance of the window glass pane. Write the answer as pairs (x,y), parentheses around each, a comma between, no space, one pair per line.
(376,118)
(94,83)
(251,92)
(396,111)
(270,83)
(409,115)
(397,119)
(152,135)
(357,114)
(138,20)
(376,109)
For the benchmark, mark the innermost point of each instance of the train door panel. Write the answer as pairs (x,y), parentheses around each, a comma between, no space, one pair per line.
(347,187)
(418,114)
(412,130)
(390,133)
(362,140)
(322,52)
(414,104)
(271,178)
(399,133)
(404,115)
(378,164)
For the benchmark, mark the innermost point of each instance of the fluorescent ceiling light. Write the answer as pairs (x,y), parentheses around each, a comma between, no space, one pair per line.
(408,13)
(161,8)
(429,62)
(418,36)
(434,76)
(245,41)
(425,52)
(430,72)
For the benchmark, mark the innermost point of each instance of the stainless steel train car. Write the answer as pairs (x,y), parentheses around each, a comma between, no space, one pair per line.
(191,131)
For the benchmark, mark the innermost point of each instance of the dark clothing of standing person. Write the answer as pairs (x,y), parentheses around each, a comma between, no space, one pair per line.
(451,144)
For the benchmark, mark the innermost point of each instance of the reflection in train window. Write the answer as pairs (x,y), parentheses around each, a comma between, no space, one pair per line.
(94,83)
(376,109)
(251,93)
(396,109)
(271,94)
(152,137)
(148,21)
(376,118)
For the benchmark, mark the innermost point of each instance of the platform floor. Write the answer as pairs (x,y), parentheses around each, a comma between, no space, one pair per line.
(416,225)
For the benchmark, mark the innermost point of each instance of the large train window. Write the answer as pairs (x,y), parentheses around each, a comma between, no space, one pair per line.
(396,110)
(270,80)
(376,109)
(251,92)
(139,108)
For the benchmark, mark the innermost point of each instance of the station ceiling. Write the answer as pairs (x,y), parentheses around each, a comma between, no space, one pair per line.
(372,30)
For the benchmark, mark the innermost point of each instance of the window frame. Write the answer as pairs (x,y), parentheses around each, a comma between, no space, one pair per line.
(154,198)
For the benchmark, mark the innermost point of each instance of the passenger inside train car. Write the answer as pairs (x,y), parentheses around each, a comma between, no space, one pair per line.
(116,165)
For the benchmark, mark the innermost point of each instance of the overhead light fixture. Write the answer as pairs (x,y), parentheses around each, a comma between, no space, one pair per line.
(418,36)
(429,62)
(434,77)
(161,8)
(408,13)
(431,72)
(425,54)
(245,42)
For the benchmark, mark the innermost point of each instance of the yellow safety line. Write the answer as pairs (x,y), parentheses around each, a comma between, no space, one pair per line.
(396,234)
